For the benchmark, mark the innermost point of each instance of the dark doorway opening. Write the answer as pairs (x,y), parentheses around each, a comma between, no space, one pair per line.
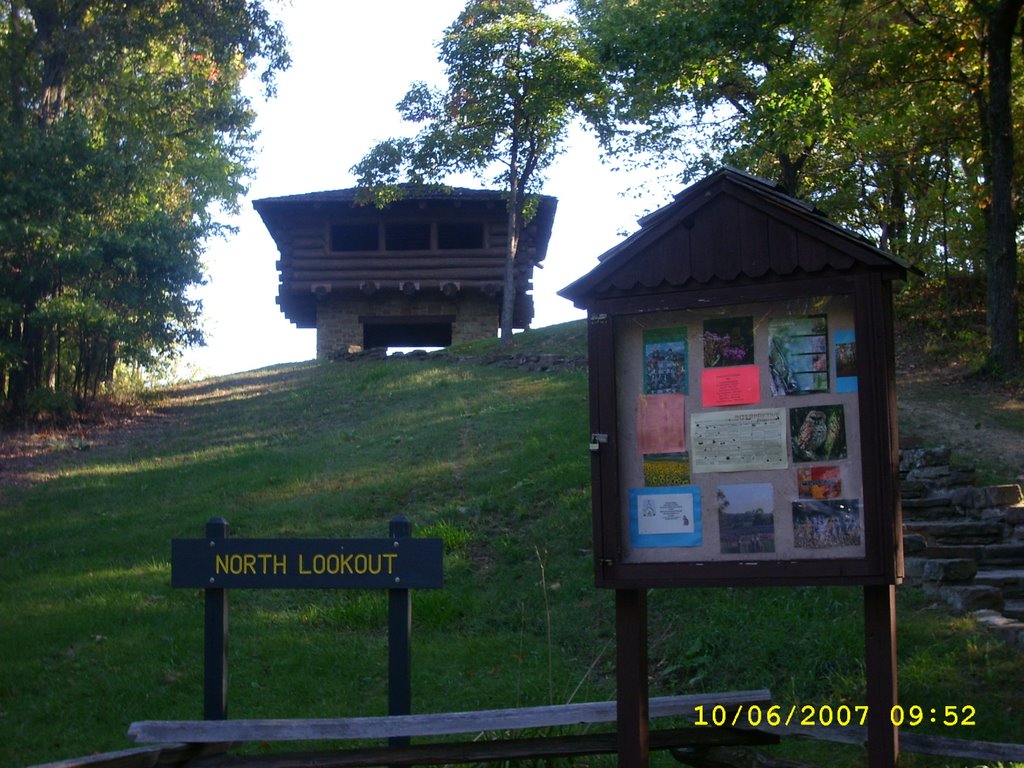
(406,331)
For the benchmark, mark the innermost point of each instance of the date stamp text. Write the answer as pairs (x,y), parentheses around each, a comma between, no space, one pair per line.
(826,715)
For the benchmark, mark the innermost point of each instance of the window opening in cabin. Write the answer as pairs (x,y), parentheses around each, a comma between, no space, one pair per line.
(407,237)
(455,236)
(354,237)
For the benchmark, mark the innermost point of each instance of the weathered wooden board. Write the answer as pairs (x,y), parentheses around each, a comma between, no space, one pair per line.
(439,724)
(486,751)
(142,757)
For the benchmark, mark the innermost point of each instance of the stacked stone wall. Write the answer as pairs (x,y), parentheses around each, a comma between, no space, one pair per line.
(964,543)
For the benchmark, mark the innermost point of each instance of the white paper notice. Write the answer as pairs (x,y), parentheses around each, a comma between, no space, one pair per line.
(665,513)
(738,441)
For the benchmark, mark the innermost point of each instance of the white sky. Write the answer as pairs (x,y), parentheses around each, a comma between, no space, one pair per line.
(352,62)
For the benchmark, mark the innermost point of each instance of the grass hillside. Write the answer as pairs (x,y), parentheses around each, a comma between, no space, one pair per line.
(492,459)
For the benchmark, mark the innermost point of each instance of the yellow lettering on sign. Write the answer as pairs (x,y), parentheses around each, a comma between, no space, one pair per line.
(249,563)
(340,564)
(334,564)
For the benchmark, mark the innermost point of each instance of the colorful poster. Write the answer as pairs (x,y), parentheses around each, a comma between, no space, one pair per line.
(665,517)
(739,441)
(740,385)
(819,482)
(665,362)
(661,424)
(746,518)
(798,355)
(666,469)
(826,524)
(818,433)
(728,341)
(846,362)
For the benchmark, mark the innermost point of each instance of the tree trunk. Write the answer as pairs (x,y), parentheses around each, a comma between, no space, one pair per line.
(1001,261)
(515,214)
(27,376)
(508,293)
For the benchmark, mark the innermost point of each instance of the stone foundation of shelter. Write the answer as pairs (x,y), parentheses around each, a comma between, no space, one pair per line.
(355,325)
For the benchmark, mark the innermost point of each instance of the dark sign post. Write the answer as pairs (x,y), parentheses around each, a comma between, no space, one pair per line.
(743,419)
(218,563)
(215,634)
(399,645)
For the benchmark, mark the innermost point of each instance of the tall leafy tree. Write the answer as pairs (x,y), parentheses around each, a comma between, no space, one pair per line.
(895,116)
(729,76)
(121,126)
(516,79)
(1000,20)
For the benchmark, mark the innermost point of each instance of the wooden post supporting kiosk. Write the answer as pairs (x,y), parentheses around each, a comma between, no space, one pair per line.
(743,420)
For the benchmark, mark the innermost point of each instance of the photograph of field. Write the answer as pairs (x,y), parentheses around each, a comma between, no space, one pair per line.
(746,518)
(666,469)
(826,524)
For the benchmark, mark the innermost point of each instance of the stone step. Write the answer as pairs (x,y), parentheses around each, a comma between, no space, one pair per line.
(1014,518)
(964,504)
(949,571)
(993,497)
(930,508)
(942,476)
(956,551)
(1013,609)
(966,598)
(1008,554)
(915,458)
(1009,580)
(1004,495)
(956,531)
(919,502)
(1009,629)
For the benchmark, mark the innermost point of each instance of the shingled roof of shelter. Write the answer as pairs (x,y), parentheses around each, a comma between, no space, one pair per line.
(410,192)
(730,227)
(269,208)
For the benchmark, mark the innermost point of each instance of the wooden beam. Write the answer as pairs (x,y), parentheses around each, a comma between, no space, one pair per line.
(484,751)
(459,258)
(439,724)
(382,272)
(304,288)
(140,757)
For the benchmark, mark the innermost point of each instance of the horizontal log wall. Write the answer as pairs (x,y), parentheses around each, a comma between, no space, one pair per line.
(316,280)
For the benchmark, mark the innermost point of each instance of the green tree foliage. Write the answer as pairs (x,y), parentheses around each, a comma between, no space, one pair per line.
(122,126)
(896,117)
(516,79)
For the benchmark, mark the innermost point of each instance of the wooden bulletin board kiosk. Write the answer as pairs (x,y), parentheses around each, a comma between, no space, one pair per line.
(743,415)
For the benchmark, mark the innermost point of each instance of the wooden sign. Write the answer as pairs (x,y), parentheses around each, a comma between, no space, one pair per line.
(227,563)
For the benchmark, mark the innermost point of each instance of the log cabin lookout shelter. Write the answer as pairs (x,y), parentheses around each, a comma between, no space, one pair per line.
(424,271)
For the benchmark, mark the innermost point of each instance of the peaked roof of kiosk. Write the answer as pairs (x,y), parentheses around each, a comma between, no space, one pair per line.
(728,228)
